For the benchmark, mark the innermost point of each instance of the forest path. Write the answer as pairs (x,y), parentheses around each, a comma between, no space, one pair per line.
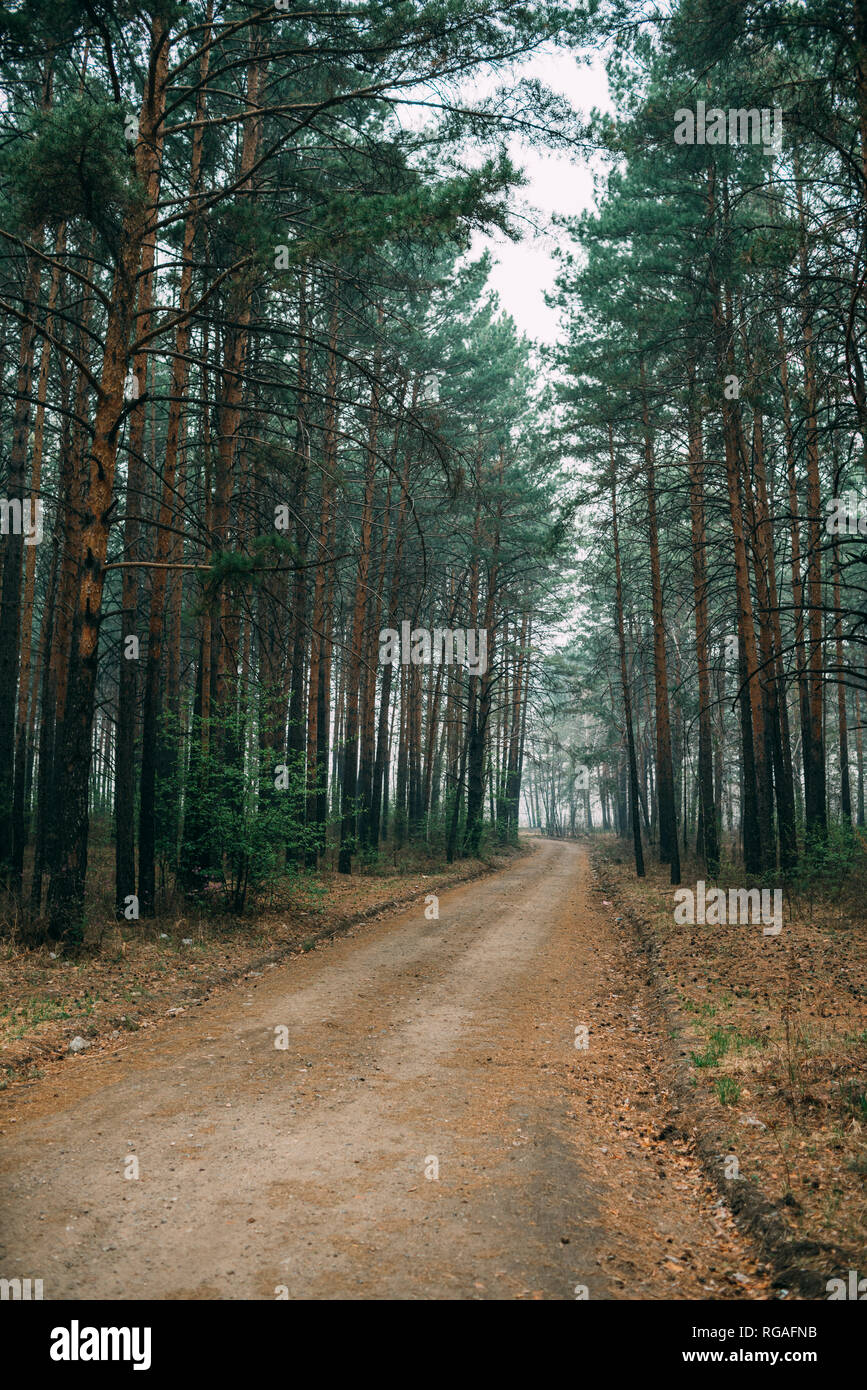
(304,1170)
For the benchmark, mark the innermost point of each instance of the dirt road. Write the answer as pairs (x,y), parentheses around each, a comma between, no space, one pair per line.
(430,1131)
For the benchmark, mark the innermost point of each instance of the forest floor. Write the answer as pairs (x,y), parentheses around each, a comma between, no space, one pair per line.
(430,1130)
(139,974)
(771,1033)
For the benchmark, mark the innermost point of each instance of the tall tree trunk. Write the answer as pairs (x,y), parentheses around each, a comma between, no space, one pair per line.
(845,788)
(355,656)
(129,656)
(795,534)
(66,894)
(669,851)
(298,615)
(815,800)
(757,813)
(708,827)
(634,809)
(10,602)
(165,543)
(26,703)
(317,771)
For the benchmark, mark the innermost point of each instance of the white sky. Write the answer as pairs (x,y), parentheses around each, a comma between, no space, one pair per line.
(556,184)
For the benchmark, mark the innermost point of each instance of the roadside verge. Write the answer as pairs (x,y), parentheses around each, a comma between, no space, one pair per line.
(766,1047)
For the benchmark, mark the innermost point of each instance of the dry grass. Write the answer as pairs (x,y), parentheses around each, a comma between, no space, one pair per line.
(775,1028)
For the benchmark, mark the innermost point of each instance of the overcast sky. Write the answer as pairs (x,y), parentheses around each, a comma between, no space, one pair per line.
(556,184)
